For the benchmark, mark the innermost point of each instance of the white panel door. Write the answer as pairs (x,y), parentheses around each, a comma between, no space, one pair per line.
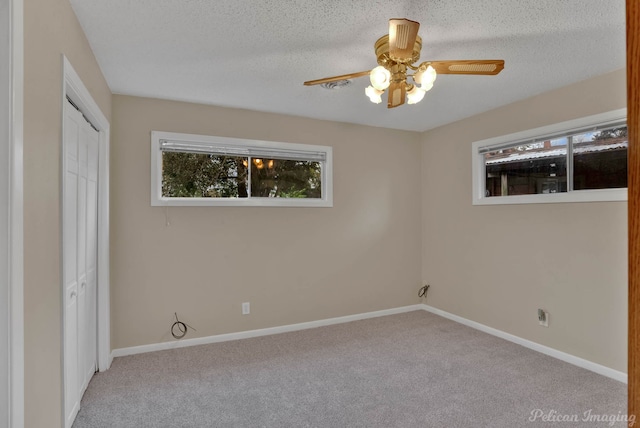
(80,238)
(82,253)
(72,130)
(89,316)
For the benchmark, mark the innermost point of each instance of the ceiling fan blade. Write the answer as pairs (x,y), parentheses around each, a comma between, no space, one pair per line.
(488,67)
(397,94)
(402,37)
(336,78)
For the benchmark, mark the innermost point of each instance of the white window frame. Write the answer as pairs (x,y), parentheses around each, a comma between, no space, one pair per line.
(596,195)
(236,143)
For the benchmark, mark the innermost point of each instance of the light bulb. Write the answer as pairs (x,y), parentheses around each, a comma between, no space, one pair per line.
(415,95)
(380,78)
(374,94)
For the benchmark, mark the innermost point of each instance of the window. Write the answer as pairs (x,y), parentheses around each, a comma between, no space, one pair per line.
(581,160)
(205,170)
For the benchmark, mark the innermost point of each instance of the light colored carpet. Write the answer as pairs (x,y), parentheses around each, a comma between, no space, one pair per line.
(408,370)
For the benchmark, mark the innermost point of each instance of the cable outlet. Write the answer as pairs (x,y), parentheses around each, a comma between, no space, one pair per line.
(543,318)
(246,308)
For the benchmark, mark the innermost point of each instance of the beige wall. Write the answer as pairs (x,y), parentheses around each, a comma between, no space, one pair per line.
(497,264)
(50,30)
(292,264)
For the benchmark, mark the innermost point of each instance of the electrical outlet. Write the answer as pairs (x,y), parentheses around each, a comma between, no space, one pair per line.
(246,308)
(543,318)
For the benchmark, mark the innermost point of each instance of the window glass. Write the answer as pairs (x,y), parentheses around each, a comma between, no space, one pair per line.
(600,159)
(527,169)
(280,178)
(197,175)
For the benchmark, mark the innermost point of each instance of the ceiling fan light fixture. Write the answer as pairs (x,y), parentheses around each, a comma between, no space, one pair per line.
(375,95)
(415,95)
(380,78)
(397,52)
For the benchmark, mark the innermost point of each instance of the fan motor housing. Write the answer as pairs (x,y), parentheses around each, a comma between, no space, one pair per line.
(382,52)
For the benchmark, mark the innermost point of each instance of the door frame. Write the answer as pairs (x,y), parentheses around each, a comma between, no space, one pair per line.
(73,88)
(11,215)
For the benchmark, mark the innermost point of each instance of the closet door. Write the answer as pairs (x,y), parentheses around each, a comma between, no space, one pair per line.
(80,236)
(72,126)
(82,253)
(88,318)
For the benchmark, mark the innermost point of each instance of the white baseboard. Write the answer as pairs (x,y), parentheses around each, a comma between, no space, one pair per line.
(572,359)
(260,332)
(563,356)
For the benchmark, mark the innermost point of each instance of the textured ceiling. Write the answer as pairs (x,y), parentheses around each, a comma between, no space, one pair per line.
(256,54)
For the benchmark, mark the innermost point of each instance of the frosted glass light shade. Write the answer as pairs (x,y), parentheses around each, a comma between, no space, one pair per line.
(424,78)
(415,95)
(380,78)
(374,94)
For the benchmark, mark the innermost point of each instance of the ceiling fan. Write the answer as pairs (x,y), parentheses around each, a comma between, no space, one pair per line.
(396,53)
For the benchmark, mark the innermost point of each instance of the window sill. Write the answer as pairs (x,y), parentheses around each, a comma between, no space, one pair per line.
(599,195)
(238,202)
